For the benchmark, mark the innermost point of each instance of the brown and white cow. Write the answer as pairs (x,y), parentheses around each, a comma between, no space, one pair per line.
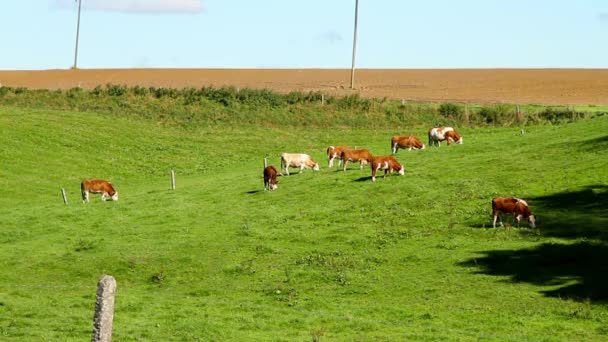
(439,134)
(270,178)
(301,160)
(360,155)
(335,152)
(409,141)
(388,164)
(511,205)
(98,186)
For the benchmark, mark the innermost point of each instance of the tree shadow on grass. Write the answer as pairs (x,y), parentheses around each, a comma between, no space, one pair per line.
(595,144)
(578,270)
(574,214)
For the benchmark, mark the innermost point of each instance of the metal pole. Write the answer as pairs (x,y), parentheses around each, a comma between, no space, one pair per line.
(77,34)
(352,70)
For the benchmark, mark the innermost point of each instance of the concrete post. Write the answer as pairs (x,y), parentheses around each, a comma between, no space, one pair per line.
(104,309)
(172,179)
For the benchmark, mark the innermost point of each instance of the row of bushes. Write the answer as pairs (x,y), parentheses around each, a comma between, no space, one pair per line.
(209,105)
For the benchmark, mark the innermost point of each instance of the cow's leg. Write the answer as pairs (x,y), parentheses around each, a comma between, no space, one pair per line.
(518,218)
(375,171)
(85,197)
(104,195)
(301,168)
(395,148)
(495,218)
(331,161)
(345,163)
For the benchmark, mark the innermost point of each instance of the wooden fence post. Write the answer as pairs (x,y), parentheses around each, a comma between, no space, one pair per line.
(104,309)
(322,99)
(172,179)
(65,197)
(265,162)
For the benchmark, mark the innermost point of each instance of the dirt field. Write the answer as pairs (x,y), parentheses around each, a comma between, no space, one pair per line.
(542,86)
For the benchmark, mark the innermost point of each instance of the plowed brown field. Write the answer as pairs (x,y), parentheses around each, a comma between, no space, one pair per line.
(542,86)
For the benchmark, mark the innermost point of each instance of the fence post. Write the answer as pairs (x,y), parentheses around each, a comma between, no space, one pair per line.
(265,162)
(322,99)
(104,309)
(172,179)
(65,197)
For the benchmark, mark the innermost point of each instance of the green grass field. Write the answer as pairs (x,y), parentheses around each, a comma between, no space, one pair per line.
(328,256)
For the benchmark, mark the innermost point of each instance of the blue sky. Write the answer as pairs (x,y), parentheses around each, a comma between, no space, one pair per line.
(40,34)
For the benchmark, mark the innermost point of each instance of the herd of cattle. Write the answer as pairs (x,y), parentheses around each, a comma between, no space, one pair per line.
(507,205)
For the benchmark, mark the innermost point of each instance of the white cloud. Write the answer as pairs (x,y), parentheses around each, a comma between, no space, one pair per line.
(137,6)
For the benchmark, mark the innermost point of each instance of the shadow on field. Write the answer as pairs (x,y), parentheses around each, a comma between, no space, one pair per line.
(254,191)
(595,144)
(579,271)
(364,179)
(574,214)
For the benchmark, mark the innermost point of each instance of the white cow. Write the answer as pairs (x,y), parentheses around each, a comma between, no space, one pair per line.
(301,160)
(439,134)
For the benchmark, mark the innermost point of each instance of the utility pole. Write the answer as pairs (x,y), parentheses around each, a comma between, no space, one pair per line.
(77,34)
(352,70)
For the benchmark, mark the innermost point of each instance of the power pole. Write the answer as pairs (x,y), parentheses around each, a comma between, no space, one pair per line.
(352,70)
(77,34)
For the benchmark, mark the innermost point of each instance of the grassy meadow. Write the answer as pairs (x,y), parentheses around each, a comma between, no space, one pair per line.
(328,256)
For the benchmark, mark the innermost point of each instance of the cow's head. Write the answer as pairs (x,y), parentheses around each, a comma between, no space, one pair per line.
(316,167)
(115,196)
(273,186)
(532,221)
(457,138)
(400,169)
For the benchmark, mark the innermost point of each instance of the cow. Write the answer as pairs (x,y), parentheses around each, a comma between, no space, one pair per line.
(270,178)
(410,142)
(334,152)
(300,160)
(388,164)
(98,186)
(361,156)
(511,205)
(439,134)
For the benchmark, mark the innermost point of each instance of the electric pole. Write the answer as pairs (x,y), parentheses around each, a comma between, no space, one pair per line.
(352,70)
(77,34)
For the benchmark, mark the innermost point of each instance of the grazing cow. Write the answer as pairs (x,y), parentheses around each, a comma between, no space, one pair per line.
(511,205)
(410,142)
(439,134)
(98,186)
(388,164)
(270,178)
(361,156)
(334,152)
(300,160)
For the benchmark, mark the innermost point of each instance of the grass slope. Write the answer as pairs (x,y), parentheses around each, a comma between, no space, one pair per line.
(328,255)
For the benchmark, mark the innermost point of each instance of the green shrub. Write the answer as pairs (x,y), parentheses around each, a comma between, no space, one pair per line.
(116,89)
(557,115)
(450,110)
(495,115)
